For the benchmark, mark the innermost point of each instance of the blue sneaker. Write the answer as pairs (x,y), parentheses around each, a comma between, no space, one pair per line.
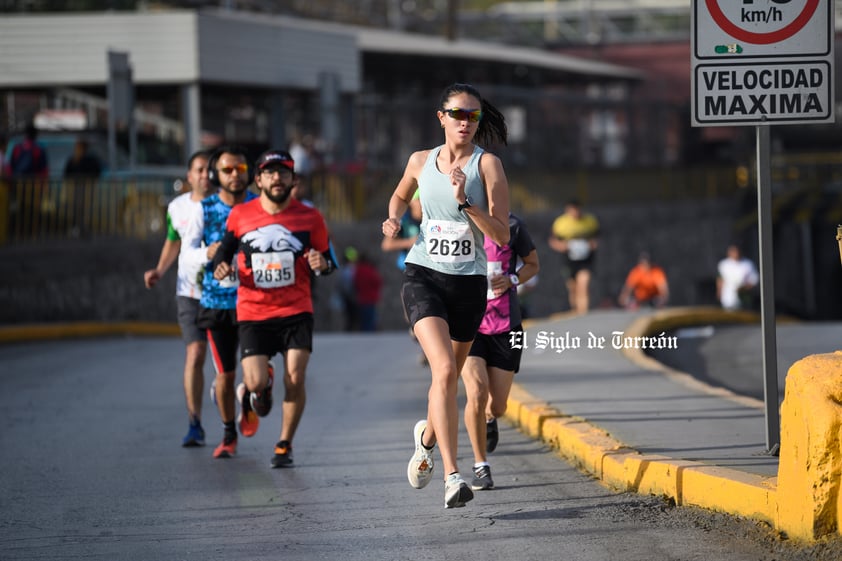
(195,436)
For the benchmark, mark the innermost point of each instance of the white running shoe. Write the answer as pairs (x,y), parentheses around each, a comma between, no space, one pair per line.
(420,468)
(456,491)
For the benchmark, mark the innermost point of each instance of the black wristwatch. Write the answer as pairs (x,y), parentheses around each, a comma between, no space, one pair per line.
(466,204)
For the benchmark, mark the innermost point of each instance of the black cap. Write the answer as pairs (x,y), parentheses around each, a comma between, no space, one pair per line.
(279,157)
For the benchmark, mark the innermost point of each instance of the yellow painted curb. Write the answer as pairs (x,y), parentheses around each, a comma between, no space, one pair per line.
(22,333)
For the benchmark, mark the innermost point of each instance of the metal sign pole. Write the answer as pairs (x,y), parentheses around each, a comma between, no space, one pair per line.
(767,290)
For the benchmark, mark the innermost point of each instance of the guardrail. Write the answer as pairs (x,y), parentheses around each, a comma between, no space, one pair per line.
(38,210)
(135,206)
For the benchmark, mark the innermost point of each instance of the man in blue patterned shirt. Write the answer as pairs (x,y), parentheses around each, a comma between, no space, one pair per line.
(228,169)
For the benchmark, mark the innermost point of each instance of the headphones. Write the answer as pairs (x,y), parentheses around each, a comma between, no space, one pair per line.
(213,173)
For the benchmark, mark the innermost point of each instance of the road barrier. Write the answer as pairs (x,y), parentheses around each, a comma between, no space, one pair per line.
(39,210)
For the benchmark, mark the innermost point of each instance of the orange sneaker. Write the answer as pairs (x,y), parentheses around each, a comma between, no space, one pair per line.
(226,449)
(247,420)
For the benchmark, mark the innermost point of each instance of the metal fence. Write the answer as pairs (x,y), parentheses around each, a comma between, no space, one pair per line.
(38,210)
(32,210)
(41,210)
(344,198)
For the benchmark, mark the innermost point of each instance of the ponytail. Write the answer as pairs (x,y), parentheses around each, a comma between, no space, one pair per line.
(492,127)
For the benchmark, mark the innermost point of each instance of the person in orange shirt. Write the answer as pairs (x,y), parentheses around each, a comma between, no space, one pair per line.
(646,285)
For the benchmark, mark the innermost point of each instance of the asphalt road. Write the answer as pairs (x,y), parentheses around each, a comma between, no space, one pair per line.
(93,469)
(731,356)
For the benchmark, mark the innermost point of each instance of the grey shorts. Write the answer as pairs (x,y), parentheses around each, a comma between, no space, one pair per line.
(188,310)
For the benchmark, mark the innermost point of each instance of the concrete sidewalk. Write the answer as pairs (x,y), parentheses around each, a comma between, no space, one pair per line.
(638,425)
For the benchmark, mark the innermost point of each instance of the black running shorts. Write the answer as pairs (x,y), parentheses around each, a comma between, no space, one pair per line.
(573,267)
(274,336)
(223,339)
(497,350)
(459,299)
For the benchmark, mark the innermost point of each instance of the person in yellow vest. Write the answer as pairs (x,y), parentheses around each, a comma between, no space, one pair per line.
(575,235)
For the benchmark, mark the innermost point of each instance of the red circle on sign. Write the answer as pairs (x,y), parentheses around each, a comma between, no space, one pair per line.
(762,38)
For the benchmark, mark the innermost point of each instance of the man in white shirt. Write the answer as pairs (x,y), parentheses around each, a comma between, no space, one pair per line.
(188,290)
(735,280)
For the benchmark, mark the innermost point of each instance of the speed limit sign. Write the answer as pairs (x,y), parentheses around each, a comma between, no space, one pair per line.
(762,28)
(762,62)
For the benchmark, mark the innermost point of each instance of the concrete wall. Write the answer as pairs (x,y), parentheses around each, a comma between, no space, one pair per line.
(102,280)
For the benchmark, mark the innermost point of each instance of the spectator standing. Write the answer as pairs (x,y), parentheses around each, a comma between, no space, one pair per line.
(736,280)
(28,168)
(82,164)
(646,285)
(367,284)
(301,149)
(28,159)
(575,234)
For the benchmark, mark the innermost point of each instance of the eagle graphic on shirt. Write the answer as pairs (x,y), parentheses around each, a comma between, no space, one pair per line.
(273,237)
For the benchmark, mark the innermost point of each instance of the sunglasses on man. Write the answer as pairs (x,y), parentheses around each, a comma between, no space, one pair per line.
(241,168)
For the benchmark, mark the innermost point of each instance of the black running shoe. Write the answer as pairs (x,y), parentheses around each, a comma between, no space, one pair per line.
(261,402)
(283,455)
(482,479)
(492,435)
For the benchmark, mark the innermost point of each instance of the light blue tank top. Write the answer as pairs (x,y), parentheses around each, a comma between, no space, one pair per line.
(448,240)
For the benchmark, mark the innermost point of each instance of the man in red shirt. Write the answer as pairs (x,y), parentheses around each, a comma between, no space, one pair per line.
(278,241)
(646,284)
